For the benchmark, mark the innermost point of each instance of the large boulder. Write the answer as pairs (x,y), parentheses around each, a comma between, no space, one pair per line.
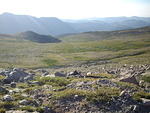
(16,75)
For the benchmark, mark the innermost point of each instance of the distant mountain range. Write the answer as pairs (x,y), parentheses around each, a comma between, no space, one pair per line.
(10,23)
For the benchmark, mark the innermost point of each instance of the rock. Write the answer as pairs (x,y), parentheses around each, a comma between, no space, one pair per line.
(48,110)
(106,83)
(122,93)
(74,73)
(16,111)
(89,73)
(28,78)
(135,108)
(130,79)
(24,102)
(3,90)
(145,102)
(7,98)
(59,74)
(141,83)
(76,96)
(52,75)
(27,102)
(45,73)
(16,75)
(34,82)
(13,84)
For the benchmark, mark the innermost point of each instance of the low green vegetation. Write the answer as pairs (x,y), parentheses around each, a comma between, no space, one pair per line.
(103,94)
(54,81)
(28,108)
(117,49)
(7,105)
(2,110)
(137,96)
(102,75)
(50,62)
(146,78)
(68,93)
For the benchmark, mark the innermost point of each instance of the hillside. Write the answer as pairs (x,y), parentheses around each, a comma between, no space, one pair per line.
(30,36)
(113,48)
(102,35)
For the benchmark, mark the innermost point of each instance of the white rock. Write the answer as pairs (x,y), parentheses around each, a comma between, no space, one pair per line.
(7,98)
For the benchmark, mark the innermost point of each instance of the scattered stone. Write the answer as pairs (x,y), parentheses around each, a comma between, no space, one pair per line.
(59,74)
(7,98)
(13,84)
(34,82)
(24,102)
(45,73)
(146,102)
(74,73)
(106,83)
(89,73)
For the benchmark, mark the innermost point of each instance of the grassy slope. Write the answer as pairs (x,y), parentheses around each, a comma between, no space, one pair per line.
(128,50)
(100,35)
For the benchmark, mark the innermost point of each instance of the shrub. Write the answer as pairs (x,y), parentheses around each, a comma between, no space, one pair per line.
(22,85)
(2,110)
(2,77)
(137,96)
(54,81)
(27,108)
(68,93)
(102,95)
(146,78)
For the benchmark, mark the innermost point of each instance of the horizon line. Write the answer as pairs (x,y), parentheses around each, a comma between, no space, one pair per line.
(70,18)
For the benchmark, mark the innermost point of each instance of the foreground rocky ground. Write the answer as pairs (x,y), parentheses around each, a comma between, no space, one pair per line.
(87,89)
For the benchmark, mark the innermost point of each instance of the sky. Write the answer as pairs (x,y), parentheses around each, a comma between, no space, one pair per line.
(77,9)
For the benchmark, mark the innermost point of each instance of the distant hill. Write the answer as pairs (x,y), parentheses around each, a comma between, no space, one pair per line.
(100,35)
(31,36)
(11,23)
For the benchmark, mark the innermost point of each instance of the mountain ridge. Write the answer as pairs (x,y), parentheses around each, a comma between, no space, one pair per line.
(55,27)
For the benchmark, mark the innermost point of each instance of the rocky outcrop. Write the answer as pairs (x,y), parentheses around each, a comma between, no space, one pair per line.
(16,75)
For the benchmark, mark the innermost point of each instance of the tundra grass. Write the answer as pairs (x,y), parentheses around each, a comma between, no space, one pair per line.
(14,53)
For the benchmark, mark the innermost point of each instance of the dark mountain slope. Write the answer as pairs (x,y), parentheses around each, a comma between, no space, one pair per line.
(31,36)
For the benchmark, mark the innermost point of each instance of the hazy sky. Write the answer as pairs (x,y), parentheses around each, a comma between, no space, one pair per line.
(76,9)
